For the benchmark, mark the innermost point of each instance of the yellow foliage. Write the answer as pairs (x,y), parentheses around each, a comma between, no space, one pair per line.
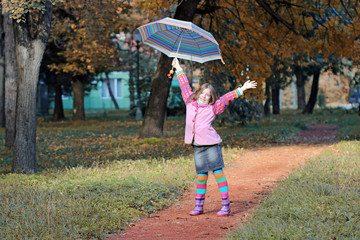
(18,8)
(154,8)
(249,35)
(85,32)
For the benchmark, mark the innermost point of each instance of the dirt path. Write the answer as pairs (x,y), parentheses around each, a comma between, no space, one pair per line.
(250,177)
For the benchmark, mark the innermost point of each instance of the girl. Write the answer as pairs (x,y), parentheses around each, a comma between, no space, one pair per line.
(201,109)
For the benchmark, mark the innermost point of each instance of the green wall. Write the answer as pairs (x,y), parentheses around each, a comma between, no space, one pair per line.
(94,99)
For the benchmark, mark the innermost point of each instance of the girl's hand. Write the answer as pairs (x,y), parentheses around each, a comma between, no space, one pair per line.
(248,85)
(175,63)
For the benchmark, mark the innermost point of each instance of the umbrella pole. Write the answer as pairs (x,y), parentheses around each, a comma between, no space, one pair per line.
(171,72)
(181,36)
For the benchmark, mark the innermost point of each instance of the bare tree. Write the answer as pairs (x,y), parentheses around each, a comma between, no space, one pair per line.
(31,36)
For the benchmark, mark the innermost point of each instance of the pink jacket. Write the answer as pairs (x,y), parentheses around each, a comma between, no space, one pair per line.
(199,118)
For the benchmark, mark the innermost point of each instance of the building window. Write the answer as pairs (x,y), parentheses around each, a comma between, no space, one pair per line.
(116,88)
(64,97)
(119,88)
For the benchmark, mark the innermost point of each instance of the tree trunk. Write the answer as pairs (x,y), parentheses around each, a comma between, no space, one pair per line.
(205,74)
(314,92)
(78,105)
(2,71)
(189,71)
(107,80)
(267,102)
(11,80)
(275,97)
(154,118)
(300,87)
(59,109)
(30,41)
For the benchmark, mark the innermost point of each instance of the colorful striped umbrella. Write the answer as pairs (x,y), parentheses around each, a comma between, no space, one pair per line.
(181,39)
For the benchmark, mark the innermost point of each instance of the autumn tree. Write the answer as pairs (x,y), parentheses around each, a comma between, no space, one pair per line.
(58,83)
(278,79)
(83,28)
(252,38)
(261,31)
(254,33)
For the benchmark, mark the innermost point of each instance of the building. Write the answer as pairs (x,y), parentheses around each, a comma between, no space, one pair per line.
(99,98)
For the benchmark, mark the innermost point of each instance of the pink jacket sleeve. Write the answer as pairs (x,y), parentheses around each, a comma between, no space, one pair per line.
(185,88)
(224,101)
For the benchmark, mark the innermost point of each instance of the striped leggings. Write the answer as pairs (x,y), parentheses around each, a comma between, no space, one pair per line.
(220,179)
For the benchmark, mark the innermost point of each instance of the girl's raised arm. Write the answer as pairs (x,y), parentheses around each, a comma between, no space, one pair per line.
(222,103)
(186,91)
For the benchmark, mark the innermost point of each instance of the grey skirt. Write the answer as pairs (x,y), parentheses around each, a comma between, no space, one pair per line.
(208,158)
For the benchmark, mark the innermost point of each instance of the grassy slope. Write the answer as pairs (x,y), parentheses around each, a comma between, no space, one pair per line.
(318,201)
(88,202)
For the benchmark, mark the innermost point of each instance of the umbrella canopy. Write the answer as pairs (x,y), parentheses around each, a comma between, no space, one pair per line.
(181,39)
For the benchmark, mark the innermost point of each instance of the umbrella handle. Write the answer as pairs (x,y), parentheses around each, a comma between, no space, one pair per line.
(171,73)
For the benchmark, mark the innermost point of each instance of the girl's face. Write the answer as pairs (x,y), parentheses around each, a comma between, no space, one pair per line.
(204,96)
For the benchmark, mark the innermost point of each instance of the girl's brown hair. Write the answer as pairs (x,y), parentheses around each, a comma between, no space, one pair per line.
(197,93)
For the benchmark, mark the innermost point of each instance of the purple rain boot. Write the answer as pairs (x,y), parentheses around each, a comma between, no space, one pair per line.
(199,206)
(225,210)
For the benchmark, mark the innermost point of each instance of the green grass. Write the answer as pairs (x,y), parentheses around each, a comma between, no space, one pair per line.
(95,177)
(88,203)
(81,143)
(318,201)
